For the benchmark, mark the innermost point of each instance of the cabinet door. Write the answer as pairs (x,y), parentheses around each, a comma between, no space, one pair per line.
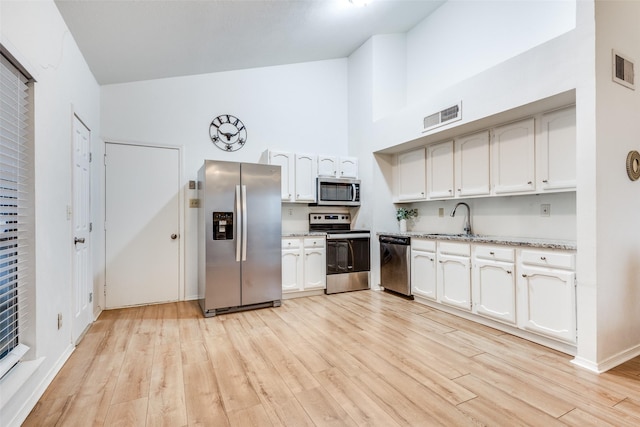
(423,274)
(411,175)
(285,161)
(328,166)
(556,151)
(513,157)
(472,165)
(547,302)
(306,174)
(291,270)
(494,290)
(454,281)
(348,167)
(315,273)
(440,170)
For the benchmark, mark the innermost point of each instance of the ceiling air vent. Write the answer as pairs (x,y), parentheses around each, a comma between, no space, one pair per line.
(448,115)
(623,70)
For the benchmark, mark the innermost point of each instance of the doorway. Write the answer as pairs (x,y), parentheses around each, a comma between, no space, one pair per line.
(142,223)
(82,293)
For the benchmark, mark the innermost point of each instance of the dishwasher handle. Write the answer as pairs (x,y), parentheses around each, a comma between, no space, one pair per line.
(395,240)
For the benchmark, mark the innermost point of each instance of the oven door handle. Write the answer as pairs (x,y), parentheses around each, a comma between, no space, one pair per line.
(332,236)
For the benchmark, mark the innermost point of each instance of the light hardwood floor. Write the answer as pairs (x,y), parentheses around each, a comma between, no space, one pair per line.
(359,358)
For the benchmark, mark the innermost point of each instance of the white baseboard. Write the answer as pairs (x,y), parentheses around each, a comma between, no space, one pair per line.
(610,362)
(38,391)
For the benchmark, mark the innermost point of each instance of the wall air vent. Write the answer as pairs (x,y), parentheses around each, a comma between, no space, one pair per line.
(441,118)
(623,70)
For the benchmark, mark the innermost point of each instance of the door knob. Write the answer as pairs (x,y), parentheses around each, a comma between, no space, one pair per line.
(78,240)
(174,236)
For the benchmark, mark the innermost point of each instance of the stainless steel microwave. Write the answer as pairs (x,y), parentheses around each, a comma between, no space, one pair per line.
(338,192)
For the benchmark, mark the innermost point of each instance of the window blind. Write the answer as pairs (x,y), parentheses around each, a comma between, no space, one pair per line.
(15,222)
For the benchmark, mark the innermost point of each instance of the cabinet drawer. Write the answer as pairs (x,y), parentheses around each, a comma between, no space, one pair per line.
(314,242)
(450,248)
(290,243)
(496,253)
(548,259)
(423,245)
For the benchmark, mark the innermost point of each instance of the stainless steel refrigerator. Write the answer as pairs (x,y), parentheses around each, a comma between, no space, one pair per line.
(240,232)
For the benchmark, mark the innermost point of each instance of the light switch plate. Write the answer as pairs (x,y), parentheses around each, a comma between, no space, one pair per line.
(194,203)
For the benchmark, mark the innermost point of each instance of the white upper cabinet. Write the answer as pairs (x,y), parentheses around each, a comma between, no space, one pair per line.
(440,170)
(286,162)
(348,167)
(327,166)
(411,175)
(337,167)
(472,165)
(306,171)
(513,157)
(556,151)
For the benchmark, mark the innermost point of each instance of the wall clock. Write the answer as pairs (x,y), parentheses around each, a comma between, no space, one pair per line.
(228,133)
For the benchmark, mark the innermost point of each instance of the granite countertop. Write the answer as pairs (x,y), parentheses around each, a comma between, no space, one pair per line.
(498,240)
(304,234)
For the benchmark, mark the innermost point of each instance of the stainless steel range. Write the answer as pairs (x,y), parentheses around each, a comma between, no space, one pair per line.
(348,252)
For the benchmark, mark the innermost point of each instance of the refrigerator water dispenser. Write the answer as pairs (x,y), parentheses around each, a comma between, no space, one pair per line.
(223,226)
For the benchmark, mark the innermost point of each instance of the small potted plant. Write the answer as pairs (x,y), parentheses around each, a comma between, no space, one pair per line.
(403,214)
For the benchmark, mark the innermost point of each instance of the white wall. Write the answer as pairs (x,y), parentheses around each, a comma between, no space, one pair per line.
(35,33)
(464,38)
(503,216)
(617,198)
(298,108)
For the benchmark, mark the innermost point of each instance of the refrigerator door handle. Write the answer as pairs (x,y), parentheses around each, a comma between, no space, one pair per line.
(238,210)
(244,223)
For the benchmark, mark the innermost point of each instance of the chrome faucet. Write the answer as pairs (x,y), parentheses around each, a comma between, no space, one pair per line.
(467,223)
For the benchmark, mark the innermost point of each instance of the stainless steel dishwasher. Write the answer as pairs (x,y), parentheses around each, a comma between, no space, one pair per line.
(395,264)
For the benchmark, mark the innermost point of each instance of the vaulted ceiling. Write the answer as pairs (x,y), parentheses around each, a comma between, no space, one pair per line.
(132,40)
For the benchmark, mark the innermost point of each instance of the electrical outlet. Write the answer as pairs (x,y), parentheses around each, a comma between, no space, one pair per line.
(545,209)
(194,203)
(441,212)
(290,212)
(59,320)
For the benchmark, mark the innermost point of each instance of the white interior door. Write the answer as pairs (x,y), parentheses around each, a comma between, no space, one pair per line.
(142,224)
(81,209)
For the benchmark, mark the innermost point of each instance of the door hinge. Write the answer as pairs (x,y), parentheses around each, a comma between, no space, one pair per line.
(90,296)
(90,227)
(90,157)
(105,160)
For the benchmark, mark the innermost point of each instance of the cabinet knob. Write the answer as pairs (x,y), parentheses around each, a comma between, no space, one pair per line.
(545,180)
(543,258)
(508,271)
(529,183)
(450,191)
(459,190)
(431,259)
(492,253)
(524,275)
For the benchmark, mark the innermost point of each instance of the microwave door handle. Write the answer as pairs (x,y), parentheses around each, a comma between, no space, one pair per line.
(353,187)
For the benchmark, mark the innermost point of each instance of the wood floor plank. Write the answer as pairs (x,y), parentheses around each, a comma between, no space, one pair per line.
(127,414)
(496,407)
(202,396)
(167,406)
(323,409)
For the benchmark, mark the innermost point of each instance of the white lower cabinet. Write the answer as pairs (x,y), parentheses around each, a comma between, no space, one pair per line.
(303,264)
(454,274)
(547,294)
(531,289)
(315,263)
(494,283)
(423,268)
(292,265)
